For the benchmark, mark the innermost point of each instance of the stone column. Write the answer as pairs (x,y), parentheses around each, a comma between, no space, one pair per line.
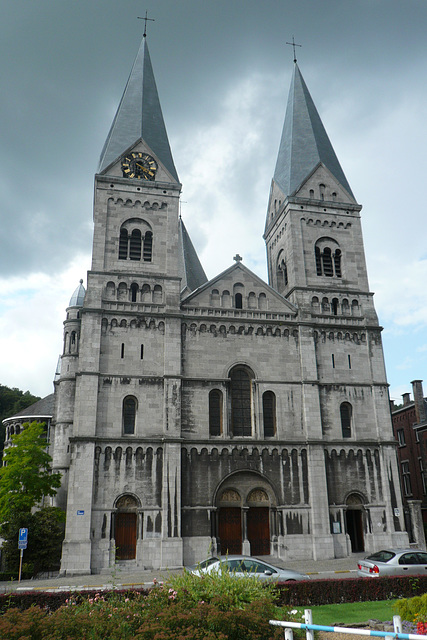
(417,522)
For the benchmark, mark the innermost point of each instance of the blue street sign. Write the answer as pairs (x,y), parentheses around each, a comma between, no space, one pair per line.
(23,538)
(23,535)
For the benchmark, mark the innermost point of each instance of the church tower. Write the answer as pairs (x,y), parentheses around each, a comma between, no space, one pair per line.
(127,383)
(229,415)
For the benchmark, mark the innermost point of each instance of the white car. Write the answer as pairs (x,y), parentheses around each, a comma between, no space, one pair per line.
(240,566)
(393,562)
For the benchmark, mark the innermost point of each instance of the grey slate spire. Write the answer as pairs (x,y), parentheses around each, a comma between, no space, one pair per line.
(304,142)
(139,116)
(190,268)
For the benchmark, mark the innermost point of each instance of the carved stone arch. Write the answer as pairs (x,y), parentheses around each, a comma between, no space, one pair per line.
(245,525)
(127,502)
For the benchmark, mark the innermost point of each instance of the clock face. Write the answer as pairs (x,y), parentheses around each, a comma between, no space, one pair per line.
(139,165)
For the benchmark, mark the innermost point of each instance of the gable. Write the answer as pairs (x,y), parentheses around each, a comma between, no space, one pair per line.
(140,148)
(239,286)
(321,184)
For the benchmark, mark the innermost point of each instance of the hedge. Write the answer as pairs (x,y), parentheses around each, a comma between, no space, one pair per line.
(337,591)
(309,592)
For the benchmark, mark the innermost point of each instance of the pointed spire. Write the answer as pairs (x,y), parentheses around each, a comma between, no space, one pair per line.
(304,142)
(139,116)
(190,269)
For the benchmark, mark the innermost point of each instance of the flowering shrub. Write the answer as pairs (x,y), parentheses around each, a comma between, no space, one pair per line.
(186,608)
(414,610)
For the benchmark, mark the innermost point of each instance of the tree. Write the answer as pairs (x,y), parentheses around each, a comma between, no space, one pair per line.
(12,401)
(26,477)
(25,480)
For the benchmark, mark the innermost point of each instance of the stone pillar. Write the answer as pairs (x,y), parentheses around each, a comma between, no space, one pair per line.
(417,523)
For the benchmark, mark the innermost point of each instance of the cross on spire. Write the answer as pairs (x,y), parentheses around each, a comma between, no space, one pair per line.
(146,20)
(293,44)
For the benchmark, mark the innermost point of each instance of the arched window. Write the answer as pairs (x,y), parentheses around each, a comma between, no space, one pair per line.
(135,245)
(133,292)
(241,401)
(334,306)
(215,412)
(269,413)
(328,258)
(281,272)
(148,246)
(136,240)
(129,415)
(346,413)
(123,244)
(238,301)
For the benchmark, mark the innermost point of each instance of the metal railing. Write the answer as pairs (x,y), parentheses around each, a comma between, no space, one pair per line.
(310,628)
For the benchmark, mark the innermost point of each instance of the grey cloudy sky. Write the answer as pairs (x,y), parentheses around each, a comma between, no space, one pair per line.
(223,72)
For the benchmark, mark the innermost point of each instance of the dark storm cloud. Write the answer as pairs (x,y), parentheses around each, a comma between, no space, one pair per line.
(223,70)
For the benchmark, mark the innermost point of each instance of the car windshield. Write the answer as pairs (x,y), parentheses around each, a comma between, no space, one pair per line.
(207,563)
(381,556)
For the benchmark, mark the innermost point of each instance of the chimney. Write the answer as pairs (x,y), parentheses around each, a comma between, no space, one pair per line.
(406,398)
(392,407)
(417,390)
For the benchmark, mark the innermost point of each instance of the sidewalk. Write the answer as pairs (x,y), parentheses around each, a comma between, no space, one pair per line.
(121,578)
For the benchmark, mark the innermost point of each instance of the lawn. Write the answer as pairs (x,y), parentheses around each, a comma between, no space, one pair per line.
(352,612)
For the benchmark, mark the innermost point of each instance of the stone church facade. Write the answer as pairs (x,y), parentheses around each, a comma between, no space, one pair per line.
(199,416)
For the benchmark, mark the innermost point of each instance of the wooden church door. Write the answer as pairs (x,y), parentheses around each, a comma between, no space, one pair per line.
(125,536)
(230,529)
(258,521)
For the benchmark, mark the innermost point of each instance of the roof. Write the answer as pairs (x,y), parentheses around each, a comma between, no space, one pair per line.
(78,297)
(191,270)
(304,142)
(139,116)
(41,409)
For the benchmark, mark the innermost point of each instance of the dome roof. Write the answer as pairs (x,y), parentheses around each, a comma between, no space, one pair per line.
(78,296)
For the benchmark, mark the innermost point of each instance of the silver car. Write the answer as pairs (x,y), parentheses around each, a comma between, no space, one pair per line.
(240,566)
(393,562)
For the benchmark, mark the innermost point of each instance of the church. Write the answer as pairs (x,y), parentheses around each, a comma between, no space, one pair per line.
(196,417)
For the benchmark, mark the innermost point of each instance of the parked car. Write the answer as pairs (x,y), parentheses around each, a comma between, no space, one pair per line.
(240,566)
(393,562)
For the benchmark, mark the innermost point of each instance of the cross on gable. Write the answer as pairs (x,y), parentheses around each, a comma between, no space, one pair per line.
(238,258)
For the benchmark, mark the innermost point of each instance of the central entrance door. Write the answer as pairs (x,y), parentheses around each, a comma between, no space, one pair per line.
(259,530)
(230,530)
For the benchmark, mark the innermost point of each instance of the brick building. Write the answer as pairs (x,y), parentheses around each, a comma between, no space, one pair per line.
(410,430)
(195,416)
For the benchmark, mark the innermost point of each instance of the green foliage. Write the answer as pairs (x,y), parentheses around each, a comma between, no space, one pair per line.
(12,401)
(220,588)
(351,612)
(26,478)
(164,614)
(45,536)
(413,609)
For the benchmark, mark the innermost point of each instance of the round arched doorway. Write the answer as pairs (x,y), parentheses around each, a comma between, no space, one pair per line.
(125,528)
(245,501)
(354,522)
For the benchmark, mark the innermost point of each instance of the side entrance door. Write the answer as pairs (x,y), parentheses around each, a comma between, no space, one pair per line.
(125,536)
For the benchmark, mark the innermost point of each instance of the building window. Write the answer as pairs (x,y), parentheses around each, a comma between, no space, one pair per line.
(401,437)
(135,241)
(215,412)
(328,258)
(129,415)
(269,413)
(238,301)
(406,478)
(423,480)
(148,246)
(346,412)
(241,396)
